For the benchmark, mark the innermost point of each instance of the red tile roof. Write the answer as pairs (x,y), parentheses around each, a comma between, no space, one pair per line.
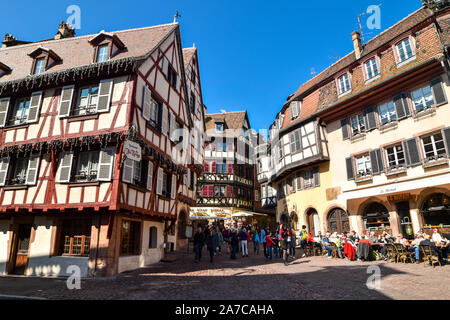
(77,51)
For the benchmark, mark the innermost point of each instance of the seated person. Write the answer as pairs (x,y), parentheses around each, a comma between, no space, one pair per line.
(436,237)
(326,243)
(373,238)
(438,251)
(416,246)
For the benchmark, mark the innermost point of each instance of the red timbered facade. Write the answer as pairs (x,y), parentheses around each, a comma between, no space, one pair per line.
(100,146)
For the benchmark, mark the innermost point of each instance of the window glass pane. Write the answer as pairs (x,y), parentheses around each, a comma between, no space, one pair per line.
(102,53)
(39,68)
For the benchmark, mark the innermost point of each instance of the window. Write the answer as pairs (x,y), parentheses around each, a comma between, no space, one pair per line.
(308,179)
(87,101)
(387,113)
(87,166)
(172,76)
(192,102)
(39,66)
(363,166)
(221,146)
(166,185)
(219,191)
(371,68)
(422,99)
(358,124)
(193,77)
(130,238)
(295,109)
(221,168)
(404,50)
(433,147)
(295,141)
(102,54)
(76,237)
(19,174)
(20,113)
(280,150)
(153,238)
(395,157)
(219,127)
(344,84)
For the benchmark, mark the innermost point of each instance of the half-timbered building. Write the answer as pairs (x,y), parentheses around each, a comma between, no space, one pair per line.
(100,144)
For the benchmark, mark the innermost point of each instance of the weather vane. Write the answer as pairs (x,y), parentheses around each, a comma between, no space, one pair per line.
(176,16)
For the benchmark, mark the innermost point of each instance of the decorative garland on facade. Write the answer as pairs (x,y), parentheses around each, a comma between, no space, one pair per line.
(35,82)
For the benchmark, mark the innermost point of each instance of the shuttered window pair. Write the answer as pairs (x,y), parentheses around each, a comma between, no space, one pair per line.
(88,167)
(151,109)
(166,184)
(308,179)
(20,171)
(169,72)
(139,173)
(295,141)
(429,96)
(26,110)
(86,100)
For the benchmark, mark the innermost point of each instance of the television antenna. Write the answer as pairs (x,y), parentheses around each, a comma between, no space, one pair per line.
(361,30)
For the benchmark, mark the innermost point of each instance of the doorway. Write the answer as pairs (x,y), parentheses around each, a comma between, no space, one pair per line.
(20,249)
(405,219)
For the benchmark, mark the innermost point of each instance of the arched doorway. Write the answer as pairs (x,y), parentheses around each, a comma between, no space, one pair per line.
(436,210)
(294,221)
(376,217)
(338,221)
(313,221)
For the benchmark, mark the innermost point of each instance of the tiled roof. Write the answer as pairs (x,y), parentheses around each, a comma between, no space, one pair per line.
(77,51)
(372,45)
(188,54)
(234,121)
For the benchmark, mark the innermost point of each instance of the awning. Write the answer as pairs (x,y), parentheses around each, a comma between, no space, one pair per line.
(208,218)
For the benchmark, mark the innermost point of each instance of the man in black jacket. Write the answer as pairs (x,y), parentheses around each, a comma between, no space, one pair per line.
(199,241)
(210,244)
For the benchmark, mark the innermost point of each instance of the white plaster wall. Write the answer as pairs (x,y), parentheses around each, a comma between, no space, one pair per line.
(41,264)
(4,243)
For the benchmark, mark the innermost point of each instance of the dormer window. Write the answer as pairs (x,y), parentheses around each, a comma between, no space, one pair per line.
(4,69)
(43,59)
(106,45)
(219,127)
(371,69)
(405,50)
(344,84)
(39,66)
(102,54)
(295,108)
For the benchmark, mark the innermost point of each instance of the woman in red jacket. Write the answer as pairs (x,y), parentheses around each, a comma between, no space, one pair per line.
(269,243)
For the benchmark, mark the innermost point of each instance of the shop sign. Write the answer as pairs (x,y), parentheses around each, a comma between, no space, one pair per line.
(132,150)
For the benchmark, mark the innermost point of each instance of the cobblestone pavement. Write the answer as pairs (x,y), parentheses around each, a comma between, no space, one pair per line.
(252,278)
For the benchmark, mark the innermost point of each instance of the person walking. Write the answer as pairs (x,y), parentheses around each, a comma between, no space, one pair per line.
(303,239)
(199,240)
(256,241)
(285,243)
(210,244)
(244,238)
(219,240)
(263,236)
(234,242)
(293,244)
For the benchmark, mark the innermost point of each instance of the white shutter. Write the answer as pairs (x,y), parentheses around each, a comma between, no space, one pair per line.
(172,127)
(104,95)
(66,101)
(150,176)
(4,165)
(65,167)
(159,183)
(4,107)
(35,104)
(164,120)
(33,170)
(173,190)
(165,66)
(127,174)
(106,164)
(146,103)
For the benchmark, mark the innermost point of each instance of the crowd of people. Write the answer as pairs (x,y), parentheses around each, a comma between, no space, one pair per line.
(282,243)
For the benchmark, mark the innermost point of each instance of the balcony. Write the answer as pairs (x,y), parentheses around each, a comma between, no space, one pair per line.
(223,178)
(224,202)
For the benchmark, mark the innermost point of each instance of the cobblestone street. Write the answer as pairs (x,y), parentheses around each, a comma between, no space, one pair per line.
(251,278)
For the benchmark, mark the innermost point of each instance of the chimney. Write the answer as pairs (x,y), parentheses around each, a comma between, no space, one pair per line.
(356,37)
(64,31)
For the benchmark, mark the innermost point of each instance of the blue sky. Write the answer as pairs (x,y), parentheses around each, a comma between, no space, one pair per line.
(252,54)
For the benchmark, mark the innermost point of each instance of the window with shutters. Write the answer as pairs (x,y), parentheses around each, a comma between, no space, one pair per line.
(130,238)
(18,171)
(387,113)
(422,99)
(405,50)
(166,185)
(137,173)
(172,77)
(395,156)
(295,140)
(87,101)
(221,167)
(434,147)
(308,179)
(19,114)
(344,85)
(371,69)
(363,166)
(87,166)
(358,124)
(219,191)
(76,237)
(280,150)
(295,107)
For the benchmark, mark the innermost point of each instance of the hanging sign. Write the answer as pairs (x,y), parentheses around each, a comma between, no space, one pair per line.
(132,150)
